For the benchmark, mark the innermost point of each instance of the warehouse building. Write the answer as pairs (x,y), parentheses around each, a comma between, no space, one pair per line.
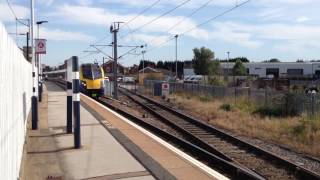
(283,69)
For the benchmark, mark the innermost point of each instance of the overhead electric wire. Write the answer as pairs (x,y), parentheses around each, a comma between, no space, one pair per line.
(203,23)
(14,14)
(143,11)
(184,18)
(156,18)
(217,16)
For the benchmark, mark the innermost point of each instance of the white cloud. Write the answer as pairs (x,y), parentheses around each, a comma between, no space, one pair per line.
(234,34)
(103,17)
(6,15)
(46,2)
(151,40)
(56,34)
(302,19)
(61,35)
(285,37)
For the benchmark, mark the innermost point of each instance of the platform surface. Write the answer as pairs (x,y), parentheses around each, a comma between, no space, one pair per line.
(50,151)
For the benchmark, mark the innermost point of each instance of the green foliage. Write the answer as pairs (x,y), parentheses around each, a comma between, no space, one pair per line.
(273,60)
(201,60)
(214,68)
(226,107)
(289,105)
(239,69)
(286,107)
(216,81)
(205,98)
(160,65)
(242,59)
(268,110)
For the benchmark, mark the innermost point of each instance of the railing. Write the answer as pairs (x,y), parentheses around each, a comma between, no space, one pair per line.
(285,101)
(15,104)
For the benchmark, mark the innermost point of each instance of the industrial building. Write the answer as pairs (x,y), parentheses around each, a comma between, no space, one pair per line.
(281,69)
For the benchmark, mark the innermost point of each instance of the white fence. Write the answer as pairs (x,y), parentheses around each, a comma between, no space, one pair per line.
(15,104)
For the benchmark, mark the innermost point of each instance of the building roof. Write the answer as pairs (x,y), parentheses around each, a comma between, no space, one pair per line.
(149,70)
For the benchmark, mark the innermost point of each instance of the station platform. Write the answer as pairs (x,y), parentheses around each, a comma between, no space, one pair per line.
(111,147)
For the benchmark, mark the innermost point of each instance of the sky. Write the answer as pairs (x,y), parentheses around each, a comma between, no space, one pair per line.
(259,29)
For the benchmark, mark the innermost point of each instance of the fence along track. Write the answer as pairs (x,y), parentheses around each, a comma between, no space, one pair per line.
(263,162)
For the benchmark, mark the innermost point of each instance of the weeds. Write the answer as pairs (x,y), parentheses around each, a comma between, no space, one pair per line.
(296,132)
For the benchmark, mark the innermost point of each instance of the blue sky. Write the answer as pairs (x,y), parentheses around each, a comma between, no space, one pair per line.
(260,30)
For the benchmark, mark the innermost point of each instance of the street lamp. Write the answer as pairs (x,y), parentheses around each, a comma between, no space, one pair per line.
(39,62)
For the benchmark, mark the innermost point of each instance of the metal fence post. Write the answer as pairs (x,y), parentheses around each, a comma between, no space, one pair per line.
(235,95)
(76,102)
(265,97)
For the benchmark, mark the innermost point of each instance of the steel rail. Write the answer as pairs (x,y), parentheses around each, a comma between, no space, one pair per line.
(232,170)
(300,171)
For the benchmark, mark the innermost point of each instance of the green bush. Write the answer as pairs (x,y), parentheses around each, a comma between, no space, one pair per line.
(205,98)
(268,111)
(226,107)
(289,104)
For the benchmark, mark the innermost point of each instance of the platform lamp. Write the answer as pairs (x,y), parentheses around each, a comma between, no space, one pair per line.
(40,87)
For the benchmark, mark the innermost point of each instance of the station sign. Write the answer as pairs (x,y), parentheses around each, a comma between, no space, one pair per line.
(165,89)
(40,46)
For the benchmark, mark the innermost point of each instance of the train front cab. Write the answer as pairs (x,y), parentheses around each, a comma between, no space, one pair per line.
(92,81)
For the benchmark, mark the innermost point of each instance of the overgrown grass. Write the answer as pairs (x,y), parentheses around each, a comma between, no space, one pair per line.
(296,132)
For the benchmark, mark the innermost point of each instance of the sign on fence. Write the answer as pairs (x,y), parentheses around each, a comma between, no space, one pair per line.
(165,89)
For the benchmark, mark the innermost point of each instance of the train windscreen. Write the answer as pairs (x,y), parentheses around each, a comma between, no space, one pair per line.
(96,71)
(91,71)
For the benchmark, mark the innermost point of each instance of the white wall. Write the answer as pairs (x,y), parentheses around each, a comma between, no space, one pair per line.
(15,104)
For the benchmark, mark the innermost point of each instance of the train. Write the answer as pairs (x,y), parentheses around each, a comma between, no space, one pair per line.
(91,77)
(91,80)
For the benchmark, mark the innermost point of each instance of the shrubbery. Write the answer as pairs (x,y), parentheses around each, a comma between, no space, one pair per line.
(226,107)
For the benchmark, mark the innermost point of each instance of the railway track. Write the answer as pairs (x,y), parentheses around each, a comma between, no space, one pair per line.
(233,157)
(231,149)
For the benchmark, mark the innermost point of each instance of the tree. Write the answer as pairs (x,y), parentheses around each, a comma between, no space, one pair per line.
(273,60)
(242,59)
(201,60)
(146,64)
(214,68)
(160,64)
(239,69)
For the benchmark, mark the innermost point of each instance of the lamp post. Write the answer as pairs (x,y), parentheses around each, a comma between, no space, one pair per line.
(176,37)
(40,87)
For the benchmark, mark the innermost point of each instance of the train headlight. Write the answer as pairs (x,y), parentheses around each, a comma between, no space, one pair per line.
(84,83)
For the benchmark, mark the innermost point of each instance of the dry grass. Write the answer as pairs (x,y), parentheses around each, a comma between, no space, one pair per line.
(295,132)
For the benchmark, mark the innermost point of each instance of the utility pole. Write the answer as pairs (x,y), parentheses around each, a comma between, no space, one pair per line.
(34,100)
(143,61)
(114,29)
(176,36)
(228,66)
(103,64)
(28,46)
